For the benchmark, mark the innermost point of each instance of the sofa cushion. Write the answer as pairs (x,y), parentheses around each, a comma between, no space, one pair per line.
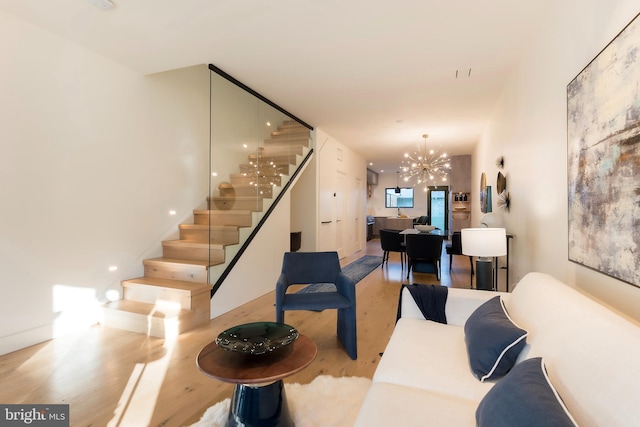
(429,356)
(525,396)
(493,340)
(395,405)
(591,351)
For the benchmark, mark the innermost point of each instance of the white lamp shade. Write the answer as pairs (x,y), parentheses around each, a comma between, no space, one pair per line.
(484,242)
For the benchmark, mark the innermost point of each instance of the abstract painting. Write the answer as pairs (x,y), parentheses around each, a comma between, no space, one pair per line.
(603,129)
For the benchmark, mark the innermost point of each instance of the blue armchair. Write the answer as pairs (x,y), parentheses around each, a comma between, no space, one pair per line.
(319,267)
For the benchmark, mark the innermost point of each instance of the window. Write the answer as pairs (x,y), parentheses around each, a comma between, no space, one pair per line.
(403,199)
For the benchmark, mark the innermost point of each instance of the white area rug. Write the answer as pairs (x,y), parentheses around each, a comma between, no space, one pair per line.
(326,401)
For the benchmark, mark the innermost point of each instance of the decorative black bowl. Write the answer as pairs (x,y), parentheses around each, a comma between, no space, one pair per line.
(257,338)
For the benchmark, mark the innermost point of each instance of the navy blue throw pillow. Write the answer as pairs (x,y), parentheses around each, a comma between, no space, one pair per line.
(524,398)
(493,340)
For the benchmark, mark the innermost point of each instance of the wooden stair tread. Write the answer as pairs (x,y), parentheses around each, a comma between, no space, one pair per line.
(289,137)
(280,150)
(242,198)
(251,172)
(142,308)
(189,262)
(270,157)
(222,212)
(192,244)
(293,131)
(228,185)
(291,123)
(208,226)
(270,161)
(246,178)
(275,177)
(193,287)
(267,173)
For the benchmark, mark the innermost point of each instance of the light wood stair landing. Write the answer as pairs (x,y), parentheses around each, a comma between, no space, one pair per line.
(159,307)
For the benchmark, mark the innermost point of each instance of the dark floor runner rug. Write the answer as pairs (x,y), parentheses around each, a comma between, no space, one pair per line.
(357,271)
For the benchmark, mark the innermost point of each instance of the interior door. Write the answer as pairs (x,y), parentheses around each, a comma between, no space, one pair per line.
(326,207)
(339,210)
(438,207)
(360,224)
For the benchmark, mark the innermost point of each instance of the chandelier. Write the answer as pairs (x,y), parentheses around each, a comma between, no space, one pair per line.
(425,167)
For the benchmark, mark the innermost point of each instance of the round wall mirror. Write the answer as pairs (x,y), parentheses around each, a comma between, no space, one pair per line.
(501,183)
(483,192)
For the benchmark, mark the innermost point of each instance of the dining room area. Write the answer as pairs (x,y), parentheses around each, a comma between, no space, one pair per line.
(421,224)
(427,252)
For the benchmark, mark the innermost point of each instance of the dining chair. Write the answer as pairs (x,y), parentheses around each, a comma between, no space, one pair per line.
(392,241)
(424,220)
(455,248)
(423,253)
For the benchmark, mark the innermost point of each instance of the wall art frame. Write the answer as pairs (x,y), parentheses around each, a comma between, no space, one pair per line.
(603,155)
(483,192)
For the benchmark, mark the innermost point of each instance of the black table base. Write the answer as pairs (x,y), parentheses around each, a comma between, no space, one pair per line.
(484,275)
(265,406)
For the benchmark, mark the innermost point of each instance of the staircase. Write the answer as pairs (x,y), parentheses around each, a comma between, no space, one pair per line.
(174,294)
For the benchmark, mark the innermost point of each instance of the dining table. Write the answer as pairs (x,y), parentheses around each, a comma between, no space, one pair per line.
(436,231)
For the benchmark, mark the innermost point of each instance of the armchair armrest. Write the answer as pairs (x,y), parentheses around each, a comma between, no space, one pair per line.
(281,289)
(346,287)
(460,304)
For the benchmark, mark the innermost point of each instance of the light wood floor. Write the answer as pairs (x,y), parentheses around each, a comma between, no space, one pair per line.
(116,378)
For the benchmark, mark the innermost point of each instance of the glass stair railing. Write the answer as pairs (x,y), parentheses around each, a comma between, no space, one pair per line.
(256,150)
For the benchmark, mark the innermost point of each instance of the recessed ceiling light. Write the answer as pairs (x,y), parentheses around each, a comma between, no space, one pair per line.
(103,4)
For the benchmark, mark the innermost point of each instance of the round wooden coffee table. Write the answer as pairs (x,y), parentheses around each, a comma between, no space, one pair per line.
(258,398)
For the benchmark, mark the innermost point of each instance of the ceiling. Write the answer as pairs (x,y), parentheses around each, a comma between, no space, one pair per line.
(375,75)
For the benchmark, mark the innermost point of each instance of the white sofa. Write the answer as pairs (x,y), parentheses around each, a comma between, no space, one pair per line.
(592,356)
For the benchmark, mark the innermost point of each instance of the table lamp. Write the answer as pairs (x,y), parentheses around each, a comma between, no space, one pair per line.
(487,244)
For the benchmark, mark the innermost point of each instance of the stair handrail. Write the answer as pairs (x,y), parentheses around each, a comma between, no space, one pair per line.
(257,95)
(257,228)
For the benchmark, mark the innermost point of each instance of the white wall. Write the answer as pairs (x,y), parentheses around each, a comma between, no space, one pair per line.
(341,177)
(529,129)
(258,269)
(92,158)
(303,206)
